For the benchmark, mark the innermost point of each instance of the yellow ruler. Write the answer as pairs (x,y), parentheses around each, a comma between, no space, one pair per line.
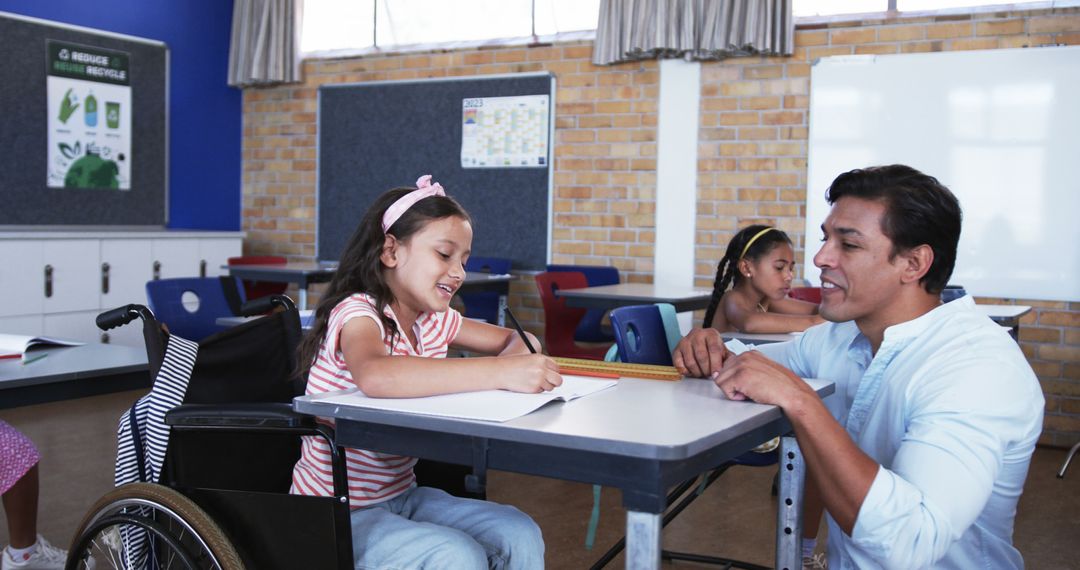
(650,371)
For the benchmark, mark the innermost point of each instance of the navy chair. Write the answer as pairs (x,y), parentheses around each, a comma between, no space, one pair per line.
(484,305)
(589,329)
(640,335)
(191,305)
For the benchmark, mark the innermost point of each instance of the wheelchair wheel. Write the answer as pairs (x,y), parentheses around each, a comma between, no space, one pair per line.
(180,534)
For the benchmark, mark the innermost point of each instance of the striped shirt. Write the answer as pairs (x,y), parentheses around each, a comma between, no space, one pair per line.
(373,477)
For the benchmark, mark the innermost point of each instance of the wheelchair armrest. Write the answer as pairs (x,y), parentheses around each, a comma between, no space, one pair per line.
(256,415)
(272,417)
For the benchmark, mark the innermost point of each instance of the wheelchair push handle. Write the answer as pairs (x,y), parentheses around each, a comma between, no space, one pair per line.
(121,316)
(264,305)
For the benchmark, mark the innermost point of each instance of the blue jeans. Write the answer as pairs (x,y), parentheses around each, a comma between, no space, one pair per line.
(429,528)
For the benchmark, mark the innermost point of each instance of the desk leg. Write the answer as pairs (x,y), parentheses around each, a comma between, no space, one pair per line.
(790,505)
(303,299)
(501,319)
(642,540)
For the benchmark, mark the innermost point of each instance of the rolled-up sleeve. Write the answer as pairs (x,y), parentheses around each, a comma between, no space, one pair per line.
(943,472)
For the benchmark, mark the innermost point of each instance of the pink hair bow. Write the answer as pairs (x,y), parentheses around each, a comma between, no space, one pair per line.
(424,188)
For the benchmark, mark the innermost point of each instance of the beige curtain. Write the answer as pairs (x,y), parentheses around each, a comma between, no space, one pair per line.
(265,44)
(631,30)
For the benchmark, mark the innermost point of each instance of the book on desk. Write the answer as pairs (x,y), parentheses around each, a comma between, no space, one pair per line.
(22,346)
(485,405)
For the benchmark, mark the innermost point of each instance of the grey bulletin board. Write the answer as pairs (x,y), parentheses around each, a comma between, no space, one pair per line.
(28,200)
(379,135)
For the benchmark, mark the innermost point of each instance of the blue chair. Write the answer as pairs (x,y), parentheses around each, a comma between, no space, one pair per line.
(484,305)
(191,305)
(589,329)
(671,330)
(640,335)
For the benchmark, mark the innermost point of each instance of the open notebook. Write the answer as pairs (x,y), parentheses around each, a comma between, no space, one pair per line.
(487,405)
(16,345)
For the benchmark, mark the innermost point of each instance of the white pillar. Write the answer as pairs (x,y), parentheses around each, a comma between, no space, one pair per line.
(676,175)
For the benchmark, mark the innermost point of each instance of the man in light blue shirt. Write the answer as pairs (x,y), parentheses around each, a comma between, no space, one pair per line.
(922,458)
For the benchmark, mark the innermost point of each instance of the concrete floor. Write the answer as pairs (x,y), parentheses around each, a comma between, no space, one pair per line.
(735,518)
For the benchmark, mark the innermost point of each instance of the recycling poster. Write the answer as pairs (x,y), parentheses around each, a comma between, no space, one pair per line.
(89,117)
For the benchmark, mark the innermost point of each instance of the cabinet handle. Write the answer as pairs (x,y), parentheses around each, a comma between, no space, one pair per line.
(48,281)
(105,278)
(157,270)
(202,268)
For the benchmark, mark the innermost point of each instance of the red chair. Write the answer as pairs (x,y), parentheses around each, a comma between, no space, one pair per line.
(256,289)
(808,294)
(561,321)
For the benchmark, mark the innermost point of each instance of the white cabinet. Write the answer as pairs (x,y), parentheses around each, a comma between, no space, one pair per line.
(22,279)
(174,258)
(78,325)
(214,253)
(32,325)
(126,266)
(70,269)
(56,283)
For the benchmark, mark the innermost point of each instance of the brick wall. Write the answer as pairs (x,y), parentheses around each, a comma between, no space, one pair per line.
(752,156)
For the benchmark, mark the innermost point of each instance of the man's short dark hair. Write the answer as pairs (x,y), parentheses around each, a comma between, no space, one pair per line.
(918,210)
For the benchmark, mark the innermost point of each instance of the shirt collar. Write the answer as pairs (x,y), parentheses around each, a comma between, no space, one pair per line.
(419,349)
(920,324)
(859,347)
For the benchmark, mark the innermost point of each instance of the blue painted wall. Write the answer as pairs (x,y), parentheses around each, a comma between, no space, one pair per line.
(204,112)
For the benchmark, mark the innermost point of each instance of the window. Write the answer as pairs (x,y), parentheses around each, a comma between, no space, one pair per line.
(358,24)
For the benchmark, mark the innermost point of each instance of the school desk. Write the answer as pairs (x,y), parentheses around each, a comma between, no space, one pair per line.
(304,274)
(759,338)
(641,436)
(612,296)
(72,372)
(1006,316)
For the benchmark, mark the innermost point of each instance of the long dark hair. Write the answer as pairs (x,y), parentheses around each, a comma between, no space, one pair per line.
(918,210)
(360,269)
(727,270)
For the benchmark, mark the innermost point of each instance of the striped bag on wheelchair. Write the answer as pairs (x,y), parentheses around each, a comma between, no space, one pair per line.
(143,435)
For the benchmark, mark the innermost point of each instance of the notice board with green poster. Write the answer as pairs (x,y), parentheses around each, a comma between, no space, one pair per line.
(86,127)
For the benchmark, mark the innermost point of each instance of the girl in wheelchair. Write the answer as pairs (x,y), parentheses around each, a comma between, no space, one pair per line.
(384,326)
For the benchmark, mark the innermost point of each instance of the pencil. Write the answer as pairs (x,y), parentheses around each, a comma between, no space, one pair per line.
(520,331)
(35,358)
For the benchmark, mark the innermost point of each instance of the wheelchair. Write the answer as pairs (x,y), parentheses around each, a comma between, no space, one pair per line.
(204,461)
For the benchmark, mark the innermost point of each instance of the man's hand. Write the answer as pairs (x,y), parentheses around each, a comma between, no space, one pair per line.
(700,353)
(752,375)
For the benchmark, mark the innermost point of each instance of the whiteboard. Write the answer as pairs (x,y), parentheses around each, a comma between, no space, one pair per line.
(1000,128)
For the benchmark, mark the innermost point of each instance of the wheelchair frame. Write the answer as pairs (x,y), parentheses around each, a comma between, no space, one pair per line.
(201,527)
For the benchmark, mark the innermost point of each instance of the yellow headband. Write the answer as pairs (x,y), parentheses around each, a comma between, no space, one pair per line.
(752,240)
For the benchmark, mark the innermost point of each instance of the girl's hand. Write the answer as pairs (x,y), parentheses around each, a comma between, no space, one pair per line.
(529,373)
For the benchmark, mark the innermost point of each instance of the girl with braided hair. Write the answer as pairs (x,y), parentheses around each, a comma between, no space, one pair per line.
(758,266)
